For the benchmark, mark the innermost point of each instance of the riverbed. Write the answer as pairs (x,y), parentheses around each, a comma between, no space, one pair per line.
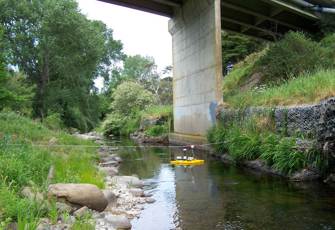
(220,196)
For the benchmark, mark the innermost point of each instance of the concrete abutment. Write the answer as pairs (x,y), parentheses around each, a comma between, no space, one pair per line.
(197,73)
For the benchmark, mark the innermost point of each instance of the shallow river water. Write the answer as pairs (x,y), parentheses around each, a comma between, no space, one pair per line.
(219,196)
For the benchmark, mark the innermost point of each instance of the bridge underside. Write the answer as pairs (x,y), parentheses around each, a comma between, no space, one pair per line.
(196,27)
(266,19)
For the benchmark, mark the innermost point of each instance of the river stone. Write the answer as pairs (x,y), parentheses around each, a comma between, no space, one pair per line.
(79,194)
(81,212)
(128,180)
(32,195)
(118,221)
(226,158)
(150,200)
(137,192)
(330,179)
(63,207)
(109,195)
(305,175)
(112,163)
(110,171)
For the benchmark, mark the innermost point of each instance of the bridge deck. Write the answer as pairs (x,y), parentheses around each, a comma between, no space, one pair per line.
(266,19)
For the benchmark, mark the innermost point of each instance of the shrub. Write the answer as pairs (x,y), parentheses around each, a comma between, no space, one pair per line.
(291,56)
(53,121)
(113,124)
(130,97)
(157,130)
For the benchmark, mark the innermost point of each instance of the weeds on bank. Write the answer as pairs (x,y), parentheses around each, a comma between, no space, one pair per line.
(307,88)
(247,140)
(23,163)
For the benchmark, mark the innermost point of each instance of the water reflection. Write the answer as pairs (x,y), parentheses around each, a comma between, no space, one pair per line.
(217,196)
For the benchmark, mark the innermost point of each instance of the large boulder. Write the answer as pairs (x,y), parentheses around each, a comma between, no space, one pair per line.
(79,195)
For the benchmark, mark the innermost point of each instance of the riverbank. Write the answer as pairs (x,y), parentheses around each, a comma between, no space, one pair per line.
(125,195)
(61,179)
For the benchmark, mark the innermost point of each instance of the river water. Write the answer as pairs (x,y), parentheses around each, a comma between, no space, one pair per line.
(219,196)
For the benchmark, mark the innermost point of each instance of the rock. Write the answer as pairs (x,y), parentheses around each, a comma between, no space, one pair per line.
(304,146)
(128,180)
(261,166)
(64,208)
(109,171)
(44,224)
(32,195)
(150,200)
(79,194)
(118,159)
(226,158)
(137,192)
(330,179)
(305,175)
(109,195)
(118,221)
(109,164)
(81,212)
(147,194)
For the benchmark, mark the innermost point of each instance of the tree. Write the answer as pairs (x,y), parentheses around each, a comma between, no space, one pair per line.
(61,52)
(236,47)
(131,97)
(165,90)
(143,70)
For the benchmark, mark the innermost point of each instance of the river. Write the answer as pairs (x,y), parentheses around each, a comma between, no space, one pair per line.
(219,196)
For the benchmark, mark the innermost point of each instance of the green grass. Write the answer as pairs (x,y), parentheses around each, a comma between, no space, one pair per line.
(240,73)
(24,162)
(305,89)
(250,139)
(157,111)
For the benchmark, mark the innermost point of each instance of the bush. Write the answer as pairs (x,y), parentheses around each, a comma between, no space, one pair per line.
(112,124)
(293,55)
(53,121)
(130,97)
(157,130)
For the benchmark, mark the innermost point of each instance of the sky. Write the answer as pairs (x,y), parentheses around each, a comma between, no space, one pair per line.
(140,32)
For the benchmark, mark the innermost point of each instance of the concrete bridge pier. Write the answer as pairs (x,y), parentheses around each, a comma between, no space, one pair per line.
(197,73)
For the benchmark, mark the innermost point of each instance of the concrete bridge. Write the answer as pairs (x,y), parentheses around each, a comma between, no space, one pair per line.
(195,27)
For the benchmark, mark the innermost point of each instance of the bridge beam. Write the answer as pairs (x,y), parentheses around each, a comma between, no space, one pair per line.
(197,67)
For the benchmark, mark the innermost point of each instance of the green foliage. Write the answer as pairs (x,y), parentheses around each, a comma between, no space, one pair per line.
(157,130)
(130,97)
(53,121)
(165,91)
(157,111)
(14,208)
(236,47)
(24,163)
(35,34)
(142,70)
(240,73)
(250,139)
(293,55)
(291,71)
(306,88)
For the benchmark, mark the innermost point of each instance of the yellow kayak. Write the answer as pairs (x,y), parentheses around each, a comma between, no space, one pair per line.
(188,162)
